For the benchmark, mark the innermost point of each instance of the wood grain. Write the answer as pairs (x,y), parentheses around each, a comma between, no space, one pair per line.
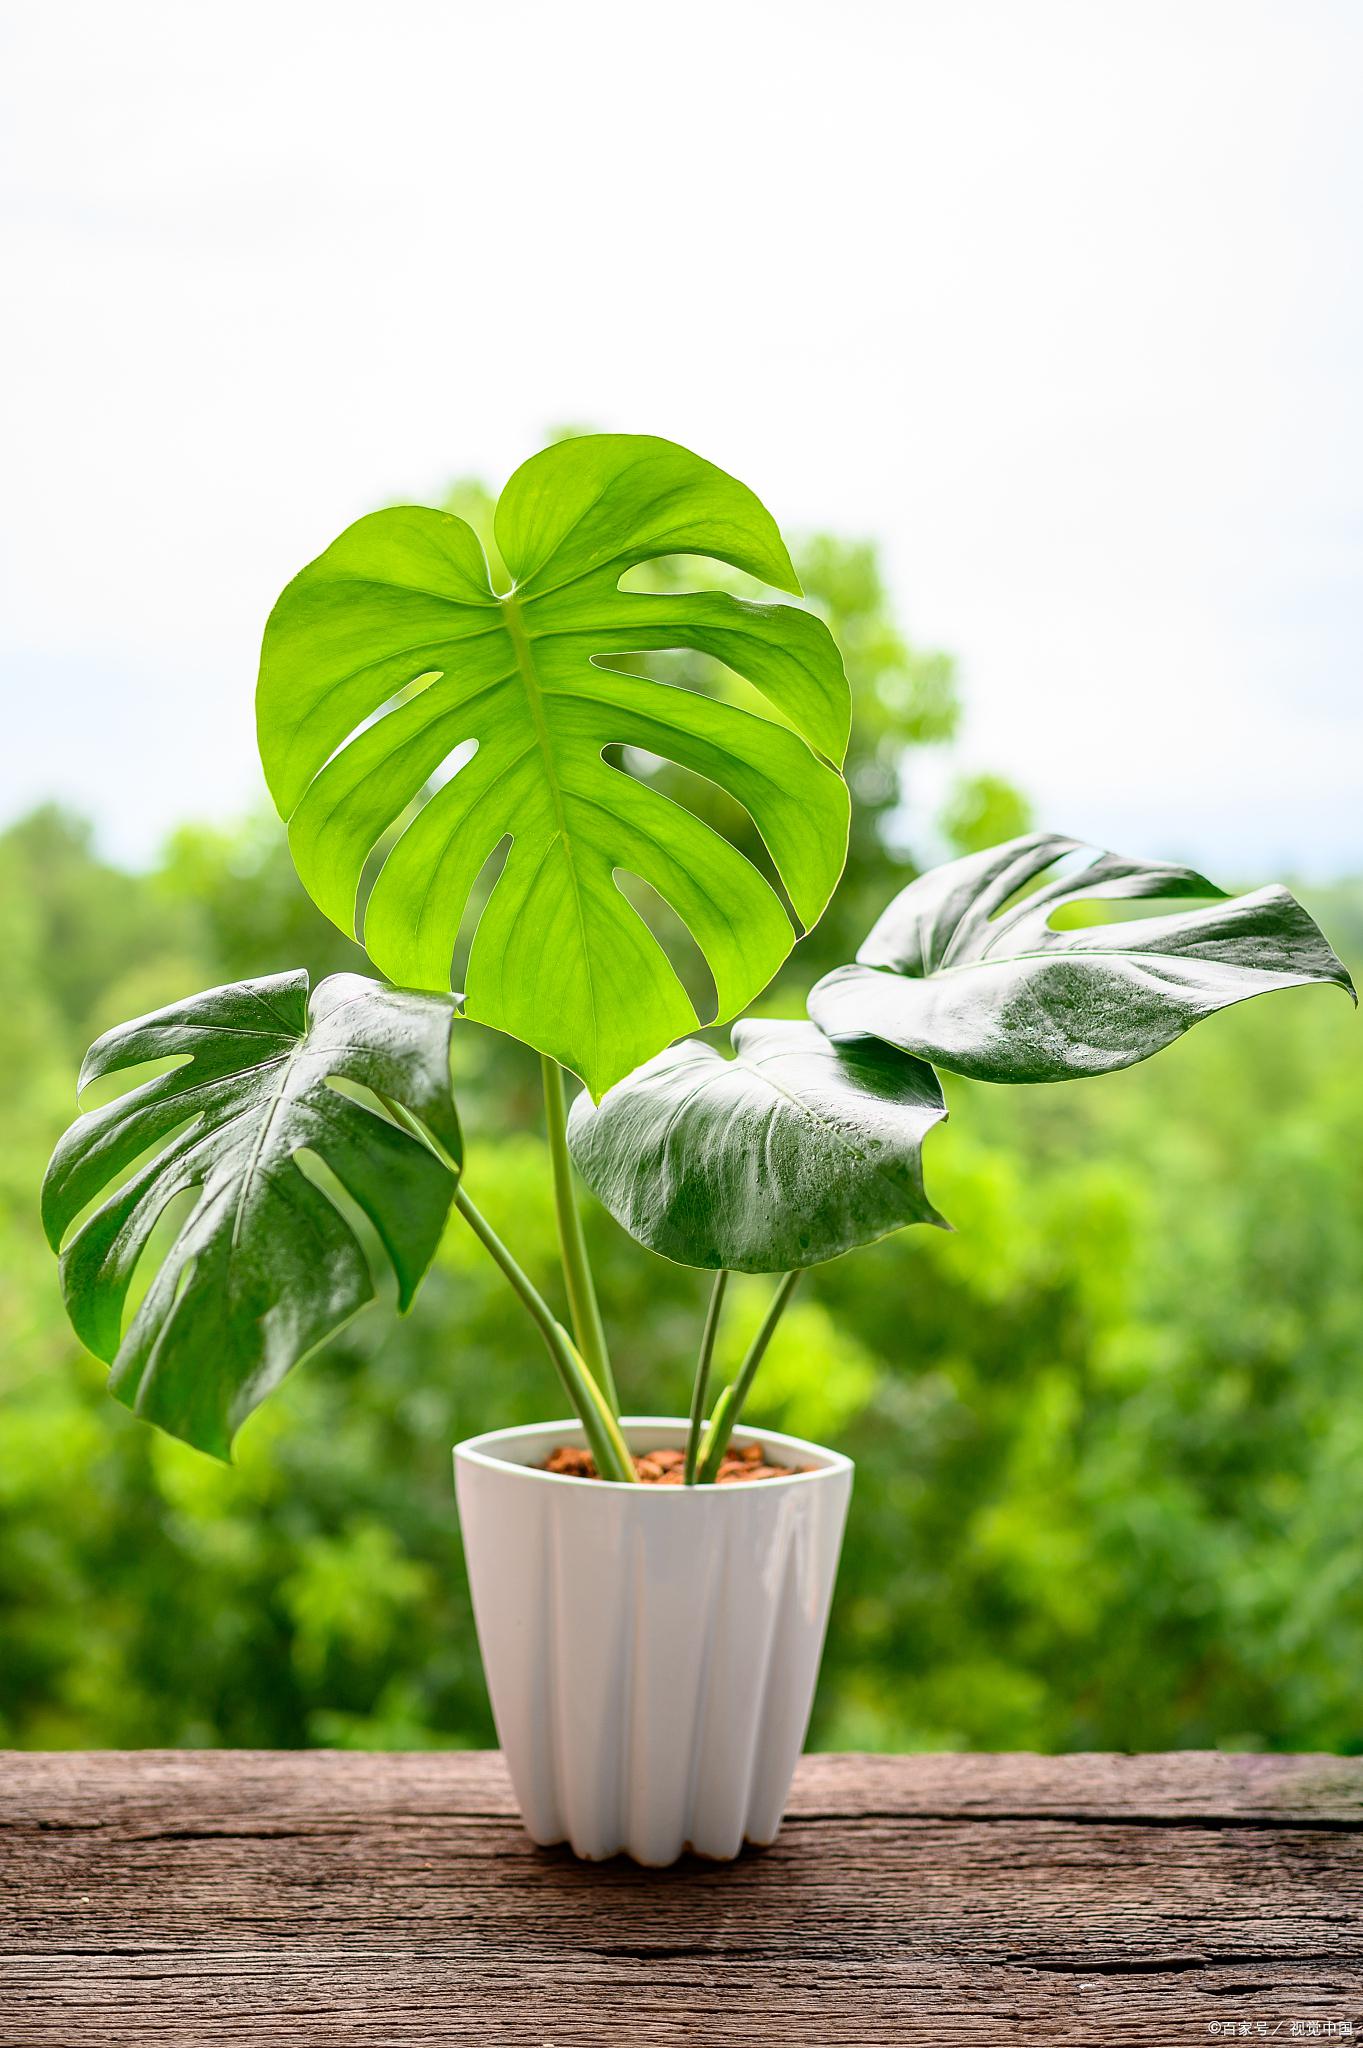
(198,1899)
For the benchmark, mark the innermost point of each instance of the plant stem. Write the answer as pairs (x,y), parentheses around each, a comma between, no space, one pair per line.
(607,1445)
(701,1385)
(718,1434)
(729,1406)
(577,1272)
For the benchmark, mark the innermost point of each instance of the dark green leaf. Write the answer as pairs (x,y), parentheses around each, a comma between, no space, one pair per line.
(958,974)
(264,1267)
(790,1153)
(393,650)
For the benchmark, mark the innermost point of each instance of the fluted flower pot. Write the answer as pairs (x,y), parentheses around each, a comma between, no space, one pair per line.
(651,1651)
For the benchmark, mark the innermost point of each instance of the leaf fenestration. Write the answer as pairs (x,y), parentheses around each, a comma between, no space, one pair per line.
(264,1267)
(958,973)
(393,650)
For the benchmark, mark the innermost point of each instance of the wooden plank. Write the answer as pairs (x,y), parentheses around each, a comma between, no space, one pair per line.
(1180,1785)
(216,1897)
(90,1787)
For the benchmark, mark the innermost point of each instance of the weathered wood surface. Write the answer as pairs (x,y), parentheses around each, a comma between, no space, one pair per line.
(191,1900)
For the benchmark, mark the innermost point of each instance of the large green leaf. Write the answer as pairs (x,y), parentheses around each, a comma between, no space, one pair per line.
(349,742)
(265,1266)
(960,975)
(786,1155)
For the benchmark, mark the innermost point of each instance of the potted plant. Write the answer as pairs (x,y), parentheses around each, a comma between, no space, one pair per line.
(651,1593)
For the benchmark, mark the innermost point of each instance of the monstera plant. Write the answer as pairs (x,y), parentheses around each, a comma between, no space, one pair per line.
(423,730)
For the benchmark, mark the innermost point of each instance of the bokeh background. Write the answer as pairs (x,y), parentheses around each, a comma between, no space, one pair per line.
(1039,326)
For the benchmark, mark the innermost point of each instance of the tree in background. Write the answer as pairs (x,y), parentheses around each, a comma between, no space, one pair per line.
(983,810)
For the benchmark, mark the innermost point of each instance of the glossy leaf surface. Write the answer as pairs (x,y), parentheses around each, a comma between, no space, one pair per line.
(958,974)
(265,1266)
(788,1154)
(391,659)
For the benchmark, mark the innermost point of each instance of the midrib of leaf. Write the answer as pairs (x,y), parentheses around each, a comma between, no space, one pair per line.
(802,1108)
(817,1119)
(301,1045)
(259,1146)
(983,960)
(534,694)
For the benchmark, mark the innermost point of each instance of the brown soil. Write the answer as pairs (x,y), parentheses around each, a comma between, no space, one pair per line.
(664,1468)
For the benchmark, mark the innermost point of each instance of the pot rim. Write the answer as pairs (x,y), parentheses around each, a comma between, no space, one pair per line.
(482,1450)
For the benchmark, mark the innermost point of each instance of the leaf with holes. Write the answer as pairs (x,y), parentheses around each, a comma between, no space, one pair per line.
(392,658)
(959,974)
(265,1266)
(786,1155)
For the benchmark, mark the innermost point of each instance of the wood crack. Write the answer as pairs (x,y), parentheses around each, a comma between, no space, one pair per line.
(318,1900)
(1288,1823)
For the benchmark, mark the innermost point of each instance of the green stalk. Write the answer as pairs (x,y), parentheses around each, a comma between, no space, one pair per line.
(729,1406)
(604,1438)
(719,1432)
(577,1273)
(701,1385)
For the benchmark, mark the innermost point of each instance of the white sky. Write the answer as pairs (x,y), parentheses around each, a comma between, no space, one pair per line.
(1062,302)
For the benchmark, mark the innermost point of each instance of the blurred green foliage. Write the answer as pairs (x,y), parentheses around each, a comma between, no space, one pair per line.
(984,810)
(1107,1434)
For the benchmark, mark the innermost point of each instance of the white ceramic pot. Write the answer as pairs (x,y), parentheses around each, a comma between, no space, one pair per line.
(651,1651)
